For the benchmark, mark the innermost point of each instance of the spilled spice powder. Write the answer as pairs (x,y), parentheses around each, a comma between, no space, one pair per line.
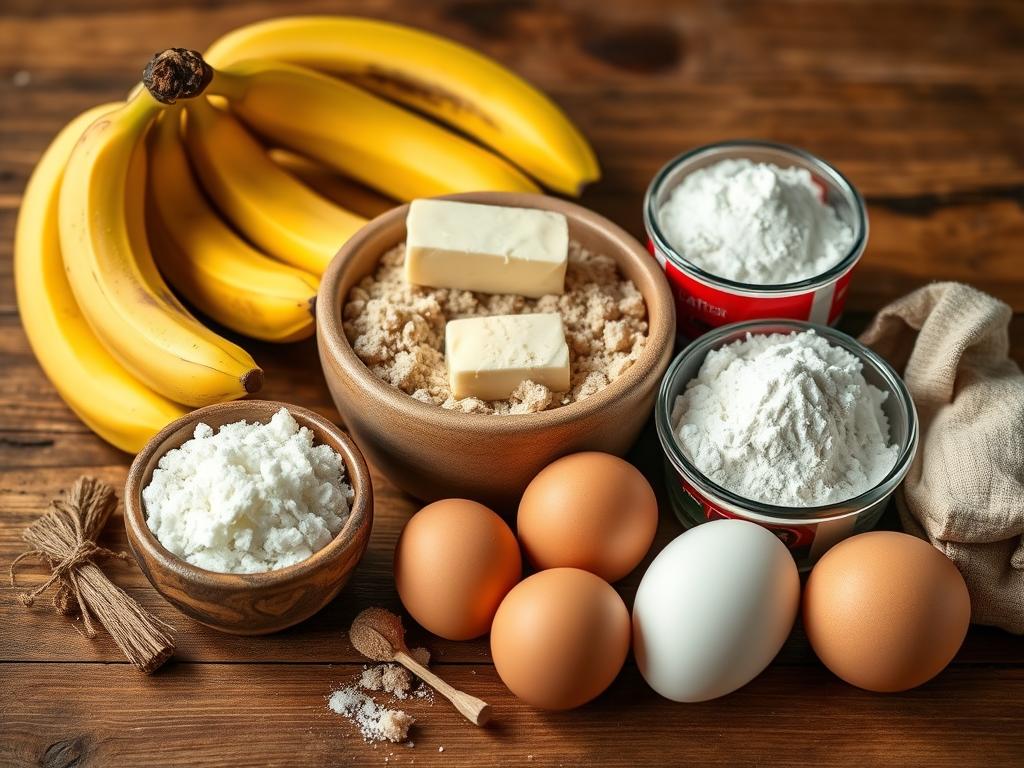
(396,679)
(389,678)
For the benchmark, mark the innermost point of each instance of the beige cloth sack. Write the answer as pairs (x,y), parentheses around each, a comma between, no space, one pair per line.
(965,489)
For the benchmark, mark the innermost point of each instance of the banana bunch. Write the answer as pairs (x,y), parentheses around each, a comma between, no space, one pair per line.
(437,77)
(230,181)
(101,392)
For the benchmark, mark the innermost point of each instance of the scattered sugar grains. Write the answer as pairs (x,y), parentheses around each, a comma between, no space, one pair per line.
(250,497)
(376,723)
(397,330)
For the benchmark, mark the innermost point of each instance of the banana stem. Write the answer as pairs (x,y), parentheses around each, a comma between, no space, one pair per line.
(169,125)
(176,73)
(227,84)
(142,107)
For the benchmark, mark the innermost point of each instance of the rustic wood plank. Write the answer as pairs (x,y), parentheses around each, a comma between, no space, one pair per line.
(29,404)
(38,635)
(273,715)
(973,241)
(919,103)
(957,198)
(965,143)
(556,41)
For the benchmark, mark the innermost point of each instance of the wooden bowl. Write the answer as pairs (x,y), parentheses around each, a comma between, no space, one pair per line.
(434,453)
(250,603)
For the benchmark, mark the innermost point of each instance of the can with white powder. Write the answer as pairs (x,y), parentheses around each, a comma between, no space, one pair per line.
(808,530)
(751,230)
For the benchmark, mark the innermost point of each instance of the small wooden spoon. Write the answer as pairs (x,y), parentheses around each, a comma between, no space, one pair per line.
(378,634)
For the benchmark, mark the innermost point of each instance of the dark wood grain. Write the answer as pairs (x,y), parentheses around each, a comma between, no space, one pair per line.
(35,637)
(920,103)
(276,715)
(908,99)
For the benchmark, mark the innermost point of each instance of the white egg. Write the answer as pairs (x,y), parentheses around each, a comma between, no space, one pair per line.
(713,610)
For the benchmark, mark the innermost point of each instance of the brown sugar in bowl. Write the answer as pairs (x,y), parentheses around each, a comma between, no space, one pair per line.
(250,603)
(434,453)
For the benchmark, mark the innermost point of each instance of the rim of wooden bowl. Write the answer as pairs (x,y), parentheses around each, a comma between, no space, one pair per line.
(357,476)
(653,286)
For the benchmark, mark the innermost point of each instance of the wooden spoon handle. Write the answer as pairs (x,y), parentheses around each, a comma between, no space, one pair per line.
(473,709)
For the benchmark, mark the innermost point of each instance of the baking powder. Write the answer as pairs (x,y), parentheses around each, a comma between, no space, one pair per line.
(754,223)
(787,420)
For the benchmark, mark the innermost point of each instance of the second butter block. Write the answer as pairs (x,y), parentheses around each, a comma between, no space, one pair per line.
(486,248)
(488,357)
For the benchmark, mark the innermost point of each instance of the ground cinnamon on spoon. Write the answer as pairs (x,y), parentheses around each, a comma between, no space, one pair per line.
(377,633)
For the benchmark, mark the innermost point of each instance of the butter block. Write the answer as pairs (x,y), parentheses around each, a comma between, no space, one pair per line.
(486,248)
(488,357)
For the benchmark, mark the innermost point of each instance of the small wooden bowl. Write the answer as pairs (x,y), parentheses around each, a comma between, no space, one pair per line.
(250,603)
(434,453)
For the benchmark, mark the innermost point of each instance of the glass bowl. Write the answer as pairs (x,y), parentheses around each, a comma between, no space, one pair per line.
(704,300)
(807,531)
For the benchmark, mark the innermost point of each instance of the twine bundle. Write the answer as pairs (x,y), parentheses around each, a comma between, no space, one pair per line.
(64,537)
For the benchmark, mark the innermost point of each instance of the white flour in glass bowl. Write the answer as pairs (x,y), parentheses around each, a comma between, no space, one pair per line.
(754,223)
(785,419)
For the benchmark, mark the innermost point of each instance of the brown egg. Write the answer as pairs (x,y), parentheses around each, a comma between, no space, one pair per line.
(588,510)
(885,611)
(560,637)
(454,563)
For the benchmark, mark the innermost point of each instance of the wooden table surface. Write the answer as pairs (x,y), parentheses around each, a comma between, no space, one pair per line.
(921,104)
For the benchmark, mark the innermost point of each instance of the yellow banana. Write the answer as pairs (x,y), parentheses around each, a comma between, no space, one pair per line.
(217,271)
(401,154)
(433,75)
(345,192)
(273,209)
(114,278)
(110,401)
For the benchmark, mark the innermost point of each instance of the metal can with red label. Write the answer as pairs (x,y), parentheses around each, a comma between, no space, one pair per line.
(807,531)
(704,300)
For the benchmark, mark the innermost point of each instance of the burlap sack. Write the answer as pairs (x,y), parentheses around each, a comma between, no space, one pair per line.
(965,489)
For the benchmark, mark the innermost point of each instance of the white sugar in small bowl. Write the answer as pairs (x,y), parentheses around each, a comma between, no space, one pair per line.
(807,531)
(250,603)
